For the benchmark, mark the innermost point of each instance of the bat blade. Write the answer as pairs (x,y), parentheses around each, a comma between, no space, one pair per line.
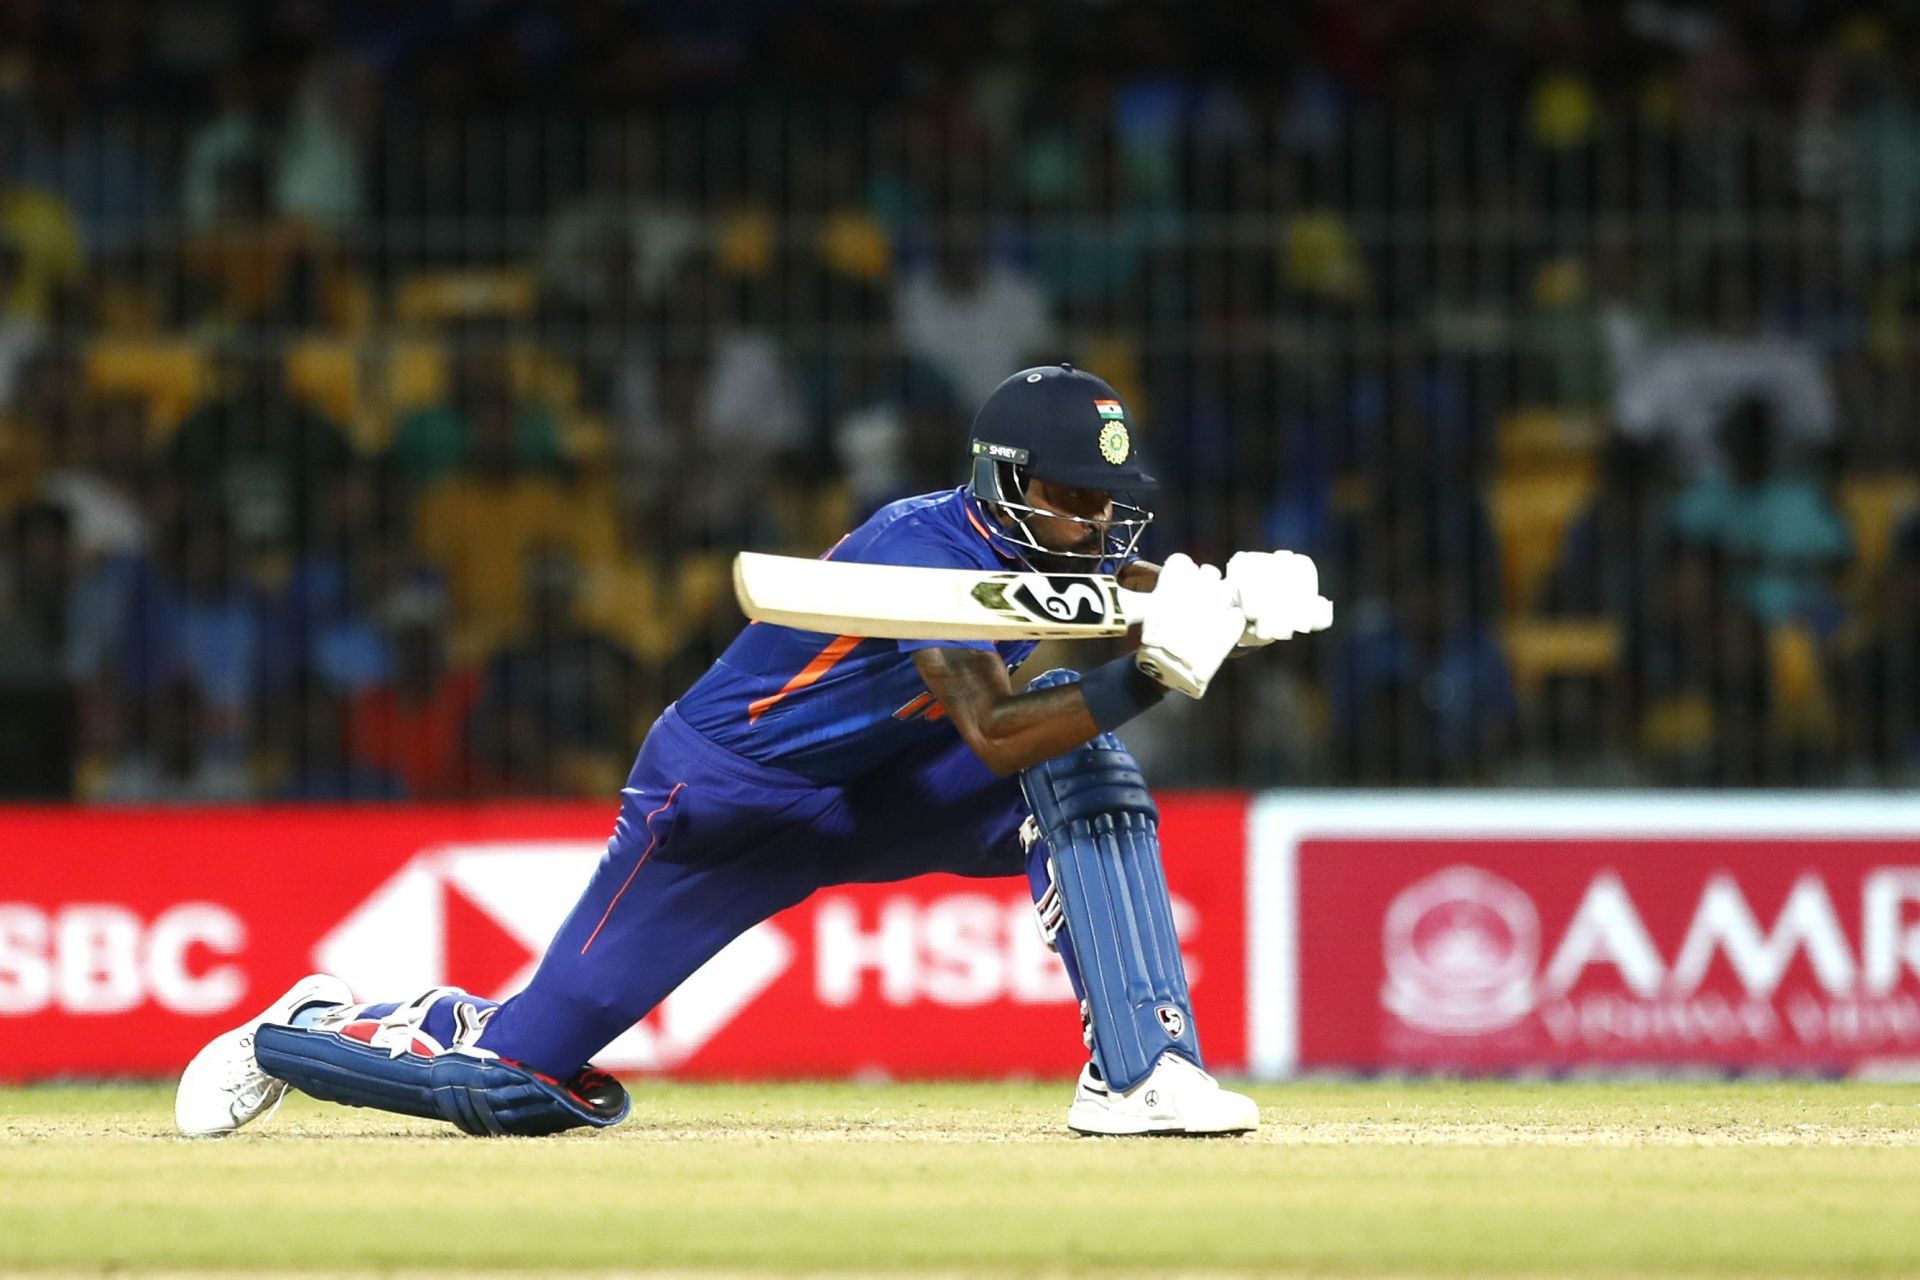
(901,602)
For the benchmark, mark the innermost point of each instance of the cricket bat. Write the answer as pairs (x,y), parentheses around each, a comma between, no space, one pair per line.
(898,602)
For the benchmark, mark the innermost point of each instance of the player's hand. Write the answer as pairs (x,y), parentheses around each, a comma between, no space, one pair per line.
(1279,591)
(1194,624)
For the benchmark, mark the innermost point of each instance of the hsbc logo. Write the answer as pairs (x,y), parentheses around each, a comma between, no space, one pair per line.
(101,958)
(960,950)
(479,916)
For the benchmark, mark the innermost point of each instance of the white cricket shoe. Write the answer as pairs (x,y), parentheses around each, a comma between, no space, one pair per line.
(1176,1097)
(223,1087)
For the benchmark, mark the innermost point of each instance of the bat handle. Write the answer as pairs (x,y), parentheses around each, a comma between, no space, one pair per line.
(1135,606)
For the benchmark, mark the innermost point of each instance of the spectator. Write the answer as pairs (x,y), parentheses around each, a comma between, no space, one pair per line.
(97,456)
(1881,202)
(1704,676)
(40,228)
(325,625)
(235,134)
(973,320)
(97,474)
(415,726)
(673,611)
(894,426)
(622,241)
(478,523)
(172,764)
(196,616)
(255,265)
(709,423)
(1683,387)
(260,453)
(601,328)
(1778,531)
(78,170)
(319,766)
(562,702)
(1089,249)
(438,439)
(1421,688)
(321,175)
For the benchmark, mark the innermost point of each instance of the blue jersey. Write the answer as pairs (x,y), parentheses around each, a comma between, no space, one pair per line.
(834,707)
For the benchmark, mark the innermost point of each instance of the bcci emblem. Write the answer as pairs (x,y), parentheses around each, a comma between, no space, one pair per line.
(1114,443)
(1172,1019)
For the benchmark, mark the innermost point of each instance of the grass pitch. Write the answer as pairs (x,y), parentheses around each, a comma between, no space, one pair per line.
(1433,1178)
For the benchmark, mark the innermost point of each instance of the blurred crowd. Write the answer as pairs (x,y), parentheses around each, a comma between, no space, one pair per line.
(384,388)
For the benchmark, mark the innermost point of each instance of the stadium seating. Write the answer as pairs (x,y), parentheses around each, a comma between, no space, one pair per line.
(1538,649)
(170,374)
(435,297)
(1530,512)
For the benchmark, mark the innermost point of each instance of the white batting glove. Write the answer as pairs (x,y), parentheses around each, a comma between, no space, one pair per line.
(1279,591)
(1193,625)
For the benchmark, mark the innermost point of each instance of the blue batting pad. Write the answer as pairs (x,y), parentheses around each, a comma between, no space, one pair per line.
(1103,832)
(480,1093)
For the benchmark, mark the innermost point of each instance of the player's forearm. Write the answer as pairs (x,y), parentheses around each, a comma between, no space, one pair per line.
(1022,729)
(1139,575)
(1010,731)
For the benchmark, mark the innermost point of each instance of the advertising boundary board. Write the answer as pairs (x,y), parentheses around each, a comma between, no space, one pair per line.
(1279,822)
(128,937)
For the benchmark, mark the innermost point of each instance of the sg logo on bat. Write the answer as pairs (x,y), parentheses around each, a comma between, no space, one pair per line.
(1062,599)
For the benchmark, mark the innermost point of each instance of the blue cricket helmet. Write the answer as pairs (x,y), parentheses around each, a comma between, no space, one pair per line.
(1065,426)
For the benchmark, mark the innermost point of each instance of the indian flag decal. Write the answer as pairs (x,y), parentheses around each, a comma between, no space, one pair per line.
(1110,408)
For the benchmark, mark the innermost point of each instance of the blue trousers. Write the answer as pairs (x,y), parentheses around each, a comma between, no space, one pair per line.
(709,844)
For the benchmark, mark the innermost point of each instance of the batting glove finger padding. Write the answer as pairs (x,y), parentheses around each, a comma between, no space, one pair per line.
(1193,625)
(1279,591)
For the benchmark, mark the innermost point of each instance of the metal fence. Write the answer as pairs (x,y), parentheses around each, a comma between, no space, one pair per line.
(371,458)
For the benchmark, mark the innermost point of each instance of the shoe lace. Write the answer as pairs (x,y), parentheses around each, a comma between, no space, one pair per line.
(244,1079)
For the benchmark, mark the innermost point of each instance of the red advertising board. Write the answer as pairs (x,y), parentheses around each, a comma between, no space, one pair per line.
(128,938)
(1497,951)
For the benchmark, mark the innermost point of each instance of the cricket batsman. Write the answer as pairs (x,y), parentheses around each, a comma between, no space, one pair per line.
(802,760)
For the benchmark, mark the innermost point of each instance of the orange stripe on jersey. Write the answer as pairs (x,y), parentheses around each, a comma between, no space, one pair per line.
(981,529)
(836,649)
(921,708)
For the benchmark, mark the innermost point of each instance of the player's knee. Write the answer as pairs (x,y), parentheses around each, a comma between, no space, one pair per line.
(1098,778)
